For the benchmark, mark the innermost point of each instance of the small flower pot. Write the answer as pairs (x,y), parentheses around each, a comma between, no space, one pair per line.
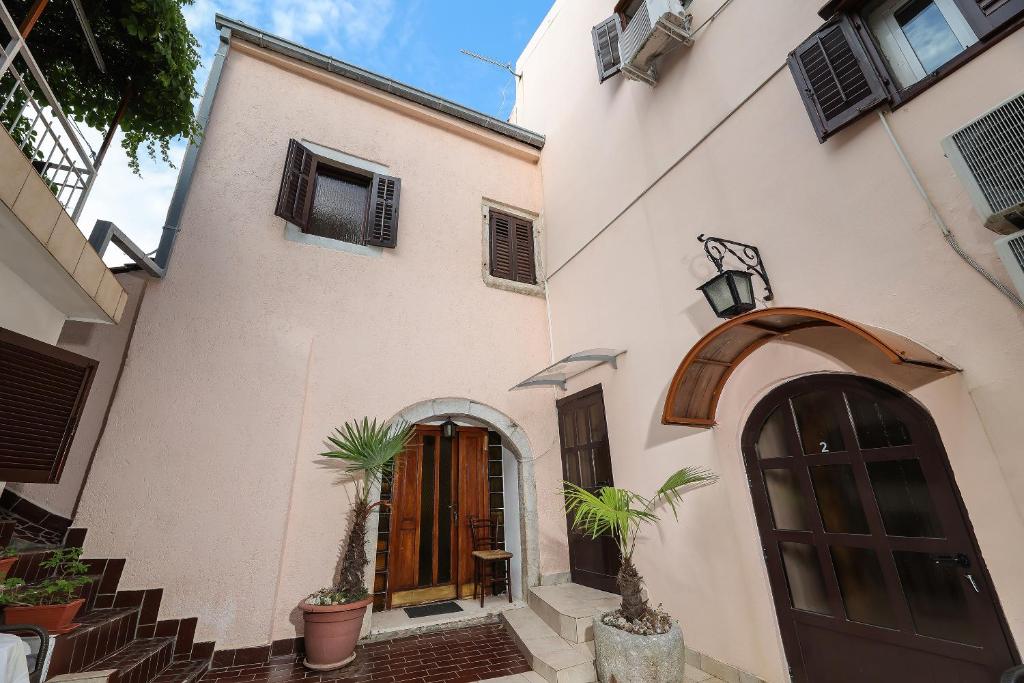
(331,632)
(624,656)
(54,618)
(5,566)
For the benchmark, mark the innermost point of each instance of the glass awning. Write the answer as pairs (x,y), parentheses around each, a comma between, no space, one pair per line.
(558,374)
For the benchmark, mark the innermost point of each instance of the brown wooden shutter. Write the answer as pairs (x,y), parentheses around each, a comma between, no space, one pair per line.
(382,218)
(606,47)
(988,16)
(294,200)
(42,393)
(836,77)
(512,253)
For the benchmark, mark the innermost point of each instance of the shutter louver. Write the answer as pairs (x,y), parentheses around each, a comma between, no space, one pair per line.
(606,47)
(512,253)
(836,78)
(988,16)
(293,199)
(382,221)
(42,394)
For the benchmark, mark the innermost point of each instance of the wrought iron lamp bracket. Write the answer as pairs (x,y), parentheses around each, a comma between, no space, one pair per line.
(748,255)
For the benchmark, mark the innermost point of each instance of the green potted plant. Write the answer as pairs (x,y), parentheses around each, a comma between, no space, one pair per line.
(333,616)
(635,642)
(8,556)
(52,602)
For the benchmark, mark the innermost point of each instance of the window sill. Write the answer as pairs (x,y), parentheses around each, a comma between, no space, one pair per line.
(293,233)
(511,286)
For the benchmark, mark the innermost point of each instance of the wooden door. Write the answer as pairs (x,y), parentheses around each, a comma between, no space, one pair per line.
(438,483)
(586,462)
(874,569)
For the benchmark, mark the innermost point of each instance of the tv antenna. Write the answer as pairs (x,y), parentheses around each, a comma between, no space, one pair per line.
(494,62)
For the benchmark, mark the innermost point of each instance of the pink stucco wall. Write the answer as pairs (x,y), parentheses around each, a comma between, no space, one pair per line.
(254,347)
(722,145)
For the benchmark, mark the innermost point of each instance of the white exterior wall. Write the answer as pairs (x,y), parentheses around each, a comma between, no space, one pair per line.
(25,311)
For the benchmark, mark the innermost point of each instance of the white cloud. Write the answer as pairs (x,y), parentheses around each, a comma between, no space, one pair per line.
(354,23)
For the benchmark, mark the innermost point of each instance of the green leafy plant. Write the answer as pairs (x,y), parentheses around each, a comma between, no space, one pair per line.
(368,450)
(67,575)
(621,513)
(9,551)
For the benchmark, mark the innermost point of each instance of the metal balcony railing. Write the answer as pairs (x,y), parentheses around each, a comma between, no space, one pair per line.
(50,140)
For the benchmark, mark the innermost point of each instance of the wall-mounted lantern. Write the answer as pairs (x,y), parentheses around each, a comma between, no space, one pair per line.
(731,292)
(448,428)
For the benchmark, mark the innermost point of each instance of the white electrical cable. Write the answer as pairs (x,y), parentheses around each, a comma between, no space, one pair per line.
(947,234)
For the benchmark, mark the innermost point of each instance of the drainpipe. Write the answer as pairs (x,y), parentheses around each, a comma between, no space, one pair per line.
(947,234)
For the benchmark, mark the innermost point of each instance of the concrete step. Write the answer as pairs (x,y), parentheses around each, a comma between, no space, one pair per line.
(553,658)
(528,677)
(569,609)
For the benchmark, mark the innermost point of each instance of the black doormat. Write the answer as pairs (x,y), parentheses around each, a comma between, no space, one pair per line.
(431,610)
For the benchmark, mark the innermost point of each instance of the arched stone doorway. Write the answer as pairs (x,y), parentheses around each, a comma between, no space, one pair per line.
(516,444)
(872,561)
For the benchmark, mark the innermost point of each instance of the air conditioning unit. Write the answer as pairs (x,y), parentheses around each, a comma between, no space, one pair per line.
(654,28)
(1011,251)
(988,156)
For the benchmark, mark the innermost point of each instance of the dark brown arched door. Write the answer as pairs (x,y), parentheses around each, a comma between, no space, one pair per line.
(874,569)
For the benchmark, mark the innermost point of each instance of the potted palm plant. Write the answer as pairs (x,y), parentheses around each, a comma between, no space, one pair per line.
(333,616)
(635,642)
(52,602)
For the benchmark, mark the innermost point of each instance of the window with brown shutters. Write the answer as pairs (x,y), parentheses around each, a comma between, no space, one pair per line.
(837,79)
(987,17)
(606,47)
(43,390)
(330,199)
(512,255)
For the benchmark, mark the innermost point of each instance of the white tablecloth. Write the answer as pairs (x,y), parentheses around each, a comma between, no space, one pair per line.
(13,665)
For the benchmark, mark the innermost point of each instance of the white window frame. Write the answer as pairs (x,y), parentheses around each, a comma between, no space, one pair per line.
(899,53)
(486,205)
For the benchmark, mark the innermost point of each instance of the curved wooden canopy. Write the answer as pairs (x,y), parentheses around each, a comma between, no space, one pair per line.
(693,395)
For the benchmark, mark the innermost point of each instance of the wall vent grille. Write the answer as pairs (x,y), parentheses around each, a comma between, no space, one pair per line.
(1011,252)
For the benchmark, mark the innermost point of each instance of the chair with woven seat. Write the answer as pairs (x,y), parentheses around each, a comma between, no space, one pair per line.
(487,556)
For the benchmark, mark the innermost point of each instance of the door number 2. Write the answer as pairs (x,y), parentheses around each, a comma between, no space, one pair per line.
(824,446)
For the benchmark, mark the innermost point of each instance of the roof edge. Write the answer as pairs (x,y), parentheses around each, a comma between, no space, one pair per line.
(373,80)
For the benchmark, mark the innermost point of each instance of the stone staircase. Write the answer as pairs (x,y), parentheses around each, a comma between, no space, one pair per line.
(120,632)
(555,632)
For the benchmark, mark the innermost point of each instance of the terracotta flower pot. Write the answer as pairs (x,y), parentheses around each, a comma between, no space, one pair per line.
(331,632)
(54,618)
(5,566)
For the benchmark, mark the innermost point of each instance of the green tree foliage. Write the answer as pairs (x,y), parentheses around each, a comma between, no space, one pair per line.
(149,54)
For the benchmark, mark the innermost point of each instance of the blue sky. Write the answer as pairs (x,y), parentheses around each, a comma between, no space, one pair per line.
(415,41)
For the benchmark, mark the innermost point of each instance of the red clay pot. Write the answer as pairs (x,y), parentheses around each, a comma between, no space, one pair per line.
(331,632)
(5,566)
(54,618)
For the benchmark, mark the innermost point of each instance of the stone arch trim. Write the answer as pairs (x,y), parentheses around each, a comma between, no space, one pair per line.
(521,448)
(698,382)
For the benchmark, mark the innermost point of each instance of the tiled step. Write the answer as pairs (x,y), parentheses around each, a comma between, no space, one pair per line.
(569,609)
(102,632)
(550,656)
(141,661)
(189,671)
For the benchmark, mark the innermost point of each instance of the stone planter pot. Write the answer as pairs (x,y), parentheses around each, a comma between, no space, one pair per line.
(331,632)
(623,656)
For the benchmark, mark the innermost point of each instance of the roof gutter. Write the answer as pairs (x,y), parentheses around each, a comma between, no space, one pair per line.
(295,51)
(105,232)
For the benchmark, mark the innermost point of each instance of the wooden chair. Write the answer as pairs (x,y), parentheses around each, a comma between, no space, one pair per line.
(486,555)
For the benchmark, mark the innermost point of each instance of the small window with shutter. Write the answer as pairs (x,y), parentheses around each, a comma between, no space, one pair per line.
(511,249)
(606,47)
(43,390)
(327,198)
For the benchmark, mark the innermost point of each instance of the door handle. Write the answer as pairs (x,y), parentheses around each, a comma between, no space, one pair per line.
(455,512)
(957,560)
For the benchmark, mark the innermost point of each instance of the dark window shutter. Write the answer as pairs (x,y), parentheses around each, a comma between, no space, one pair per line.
(42,393)
(512,253)
(988,16)
(382,219)
(606,47)
(837,80)
(293,199)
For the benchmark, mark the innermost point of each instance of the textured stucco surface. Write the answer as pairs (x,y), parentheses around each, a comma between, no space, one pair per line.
(25,311)
(254,347)
(841,229)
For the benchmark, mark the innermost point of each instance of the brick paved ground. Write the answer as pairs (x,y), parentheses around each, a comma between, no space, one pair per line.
(456,656)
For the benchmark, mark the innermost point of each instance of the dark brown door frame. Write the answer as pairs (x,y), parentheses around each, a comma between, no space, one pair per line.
(604,550)
(925,432)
